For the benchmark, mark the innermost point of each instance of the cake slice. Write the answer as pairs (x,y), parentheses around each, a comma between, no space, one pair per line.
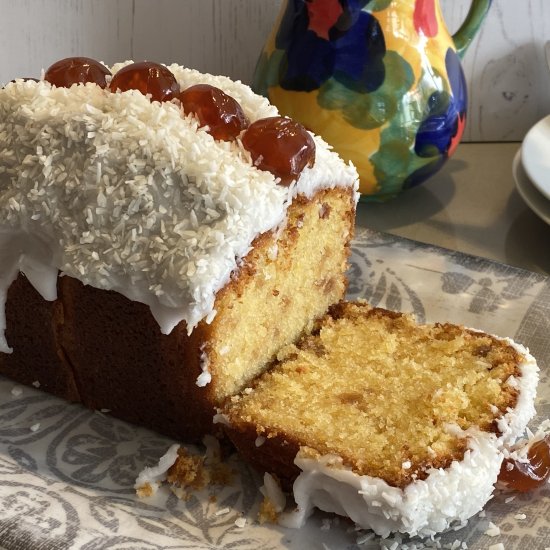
(397,425)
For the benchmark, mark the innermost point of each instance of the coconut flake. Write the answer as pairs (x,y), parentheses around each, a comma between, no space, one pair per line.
(205,377)
(154,475)
(272,491)
(240,523)
(493,530)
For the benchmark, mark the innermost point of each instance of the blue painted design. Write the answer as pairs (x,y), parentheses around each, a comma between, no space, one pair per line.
(441,127)
(352,55)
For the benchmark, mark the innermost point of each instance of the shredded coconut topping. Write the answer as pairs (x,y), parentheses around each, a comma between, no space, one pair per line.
(128,195)
(240,523)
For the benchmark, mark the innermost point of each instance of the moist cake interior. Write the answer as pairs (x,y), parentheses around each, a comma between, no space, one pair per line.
(379,391)
(283,287)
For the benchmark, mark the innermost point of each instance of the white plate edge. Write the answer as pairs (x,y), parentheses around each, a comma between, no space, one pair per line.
(532,168)
(528,192)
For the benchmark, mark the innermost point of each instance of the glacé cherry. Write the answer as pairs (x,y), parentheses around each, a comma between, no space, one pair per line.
(77,70)
(149,78)
(281,146)
(525,476)
(214,108)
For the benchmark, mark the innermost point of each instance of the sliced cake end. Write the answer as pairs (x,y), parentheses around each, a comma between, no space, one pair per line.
(398,425)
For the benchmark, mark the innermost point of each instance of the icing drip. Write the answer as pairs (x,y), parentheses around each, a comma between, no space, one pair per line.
(444,498)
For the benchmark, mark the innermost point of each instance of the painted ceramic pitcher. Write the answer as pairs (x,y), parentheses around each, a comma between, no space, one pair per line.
(380,80)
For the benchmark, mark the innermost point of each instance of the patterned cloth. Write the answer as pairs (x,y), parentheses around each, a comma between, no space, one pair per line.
(67,474)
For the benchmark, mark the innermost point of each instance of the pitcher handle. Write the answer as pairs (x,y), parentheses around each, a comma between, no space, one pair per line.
(463,37)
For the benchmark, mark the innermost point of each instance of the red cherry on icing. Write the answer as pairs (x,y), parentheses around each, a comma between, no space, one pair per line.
(214,108)
(149,78)
(281,146)
(77,70)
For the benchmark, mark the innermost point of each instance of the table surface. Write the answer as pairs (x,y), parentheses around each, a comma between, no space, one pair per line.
(472,206)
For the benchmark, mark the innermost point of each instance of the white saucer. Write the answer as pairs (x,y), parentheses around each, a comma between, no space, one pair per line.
(535,200)
(535,155)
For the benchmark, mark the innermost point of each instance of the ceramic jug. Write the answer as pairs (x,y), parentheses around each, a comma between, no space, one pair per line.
(380,80)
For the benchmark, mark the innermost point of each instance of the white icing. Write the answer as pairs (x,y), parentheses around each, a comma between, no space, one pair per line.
(221,418)
(513,423)
(205,377)
(447,497)
(273,492)
(128,195)
(154,475)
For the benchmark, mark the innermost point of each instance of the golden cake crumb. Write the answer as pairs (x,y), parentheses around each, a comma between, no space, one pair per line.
(188,471)
(146,490)
(191,472)
(268,512)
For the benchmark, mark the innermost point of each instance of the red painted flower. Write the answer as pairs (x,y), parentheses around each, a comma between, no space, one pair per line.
(455,140)
(323,14)
(424,18)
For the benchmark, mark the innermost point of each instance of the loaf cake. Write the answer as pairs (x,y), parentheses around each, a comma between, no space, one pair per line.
(172,260)
(402,427)
(150,265)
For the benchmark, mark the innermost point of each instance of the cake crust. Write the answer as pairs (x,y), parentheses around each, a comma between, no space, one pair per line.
(33,326)
(123,363)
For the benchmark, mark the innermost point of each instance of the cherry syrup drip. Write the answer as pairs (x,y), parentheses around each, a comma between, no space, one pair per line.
(525,476)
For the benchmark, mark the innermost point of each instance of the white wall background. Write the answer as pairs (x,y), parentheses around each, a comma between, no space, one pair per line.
(508,80)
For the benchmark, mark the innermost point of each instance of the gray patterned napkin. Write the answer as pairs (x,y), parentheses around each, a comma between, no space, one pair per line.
(67,474)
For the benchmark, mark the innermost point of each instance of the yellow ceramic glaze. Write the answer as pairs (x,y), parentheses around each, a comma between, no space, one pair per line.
(380,80)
